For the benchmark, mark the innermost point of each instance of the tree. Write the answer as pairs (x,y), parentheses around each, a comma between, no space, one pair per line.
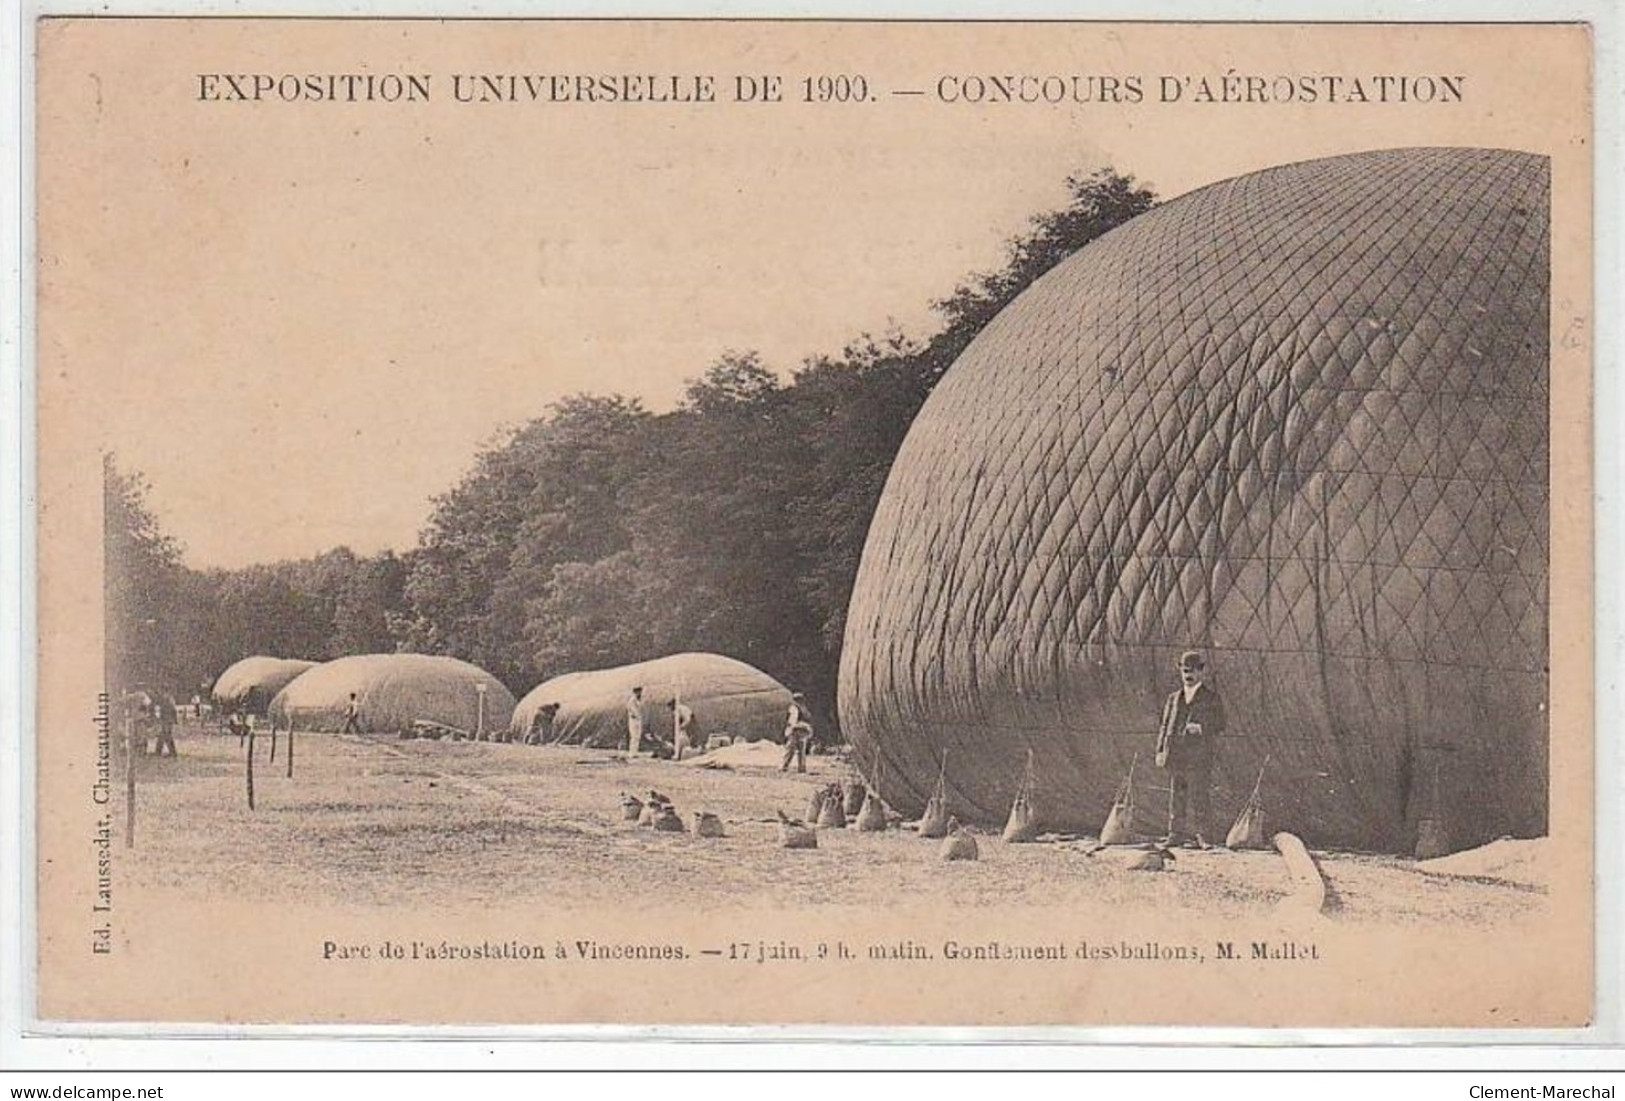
(595,615)
(1099,202)
(737,380)
(374,590)
(853,413)
(141,570)
(545,494)
(259,610)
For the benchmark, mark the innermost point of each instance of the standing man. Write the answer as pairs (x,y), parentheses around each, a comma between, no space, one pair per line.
(634,721)
(682,723)
(352,716)
(1192,723)
(797,733)
(167,717)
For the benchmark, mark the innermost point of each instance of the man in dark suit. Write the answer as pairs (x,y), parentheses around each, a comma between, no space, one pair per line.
(167,717)
(1192,723)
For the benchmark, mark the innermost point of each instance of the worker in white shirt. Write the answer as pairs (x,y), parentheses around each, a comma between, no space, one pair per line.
(634,721)
(797,733)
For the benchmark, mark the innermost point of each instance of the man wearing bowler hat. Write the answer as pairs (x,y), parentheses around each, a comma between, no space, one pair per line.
(1192,723)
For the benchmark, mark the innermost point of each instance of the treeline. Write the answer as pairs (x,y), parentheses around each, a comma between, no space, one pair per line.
(174,629)
(602,533)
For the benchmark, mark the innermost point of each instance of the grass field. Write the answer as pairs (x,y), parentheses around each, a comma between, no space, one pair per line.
(375,821)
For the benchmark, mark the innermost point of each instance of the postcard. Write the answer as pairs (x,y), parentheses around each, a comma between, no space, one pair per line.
(767,522)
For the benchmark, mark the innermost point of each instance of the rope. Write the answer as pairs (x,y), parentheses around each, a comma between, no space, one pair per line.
(1125,790)
(1256,798)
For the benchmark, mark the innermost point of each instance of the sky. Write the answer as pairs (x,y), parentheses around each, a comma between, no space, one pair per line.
(302,321)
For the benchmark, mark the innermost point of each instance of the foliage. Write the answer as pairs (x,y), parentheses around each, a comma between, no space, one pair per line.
(142,577)
(172,630)
(549,493)
(1099,202)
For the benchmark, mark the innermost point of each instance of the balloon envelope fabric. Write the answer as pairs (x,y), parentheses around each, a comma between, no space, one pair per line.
(1297,419)
(253,682)
(394,691)
(727,696)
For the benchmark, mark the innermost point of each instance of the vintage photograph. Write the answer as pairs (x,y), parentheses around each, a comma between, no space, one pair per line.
(749,522)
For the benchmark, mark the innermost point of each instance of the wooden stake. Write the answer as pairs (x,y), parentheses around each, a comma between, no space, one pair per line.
(249,768)
(273,741)
(290,749)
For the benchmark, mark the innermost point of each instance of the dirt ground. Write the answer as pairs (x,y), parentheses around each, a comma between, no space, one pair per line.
(375,821)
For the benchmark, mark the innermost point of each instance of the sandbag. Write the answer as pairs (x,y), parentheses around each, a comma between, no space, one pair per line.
(1118,829)
(958,845)
(707,825)
(1022,825)
(1151,860)
(667,821)
(631,808)
(833,816)
(794,836)
(856,795)
(871,816)
(815,806)
(934,823)
(1432,840)
(1248,832)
